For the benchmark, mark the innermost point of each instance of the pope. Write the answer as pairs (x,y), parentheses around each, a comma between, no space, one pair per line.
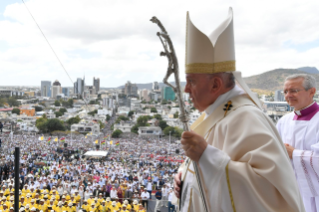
(242,161)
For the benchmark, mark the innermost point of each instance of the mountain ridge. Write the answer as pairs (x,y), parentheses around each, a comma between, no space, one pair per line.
(271,80)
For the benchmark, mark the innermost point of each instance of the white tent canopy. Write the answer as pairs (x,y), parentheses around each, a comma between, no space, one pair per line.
(96,153)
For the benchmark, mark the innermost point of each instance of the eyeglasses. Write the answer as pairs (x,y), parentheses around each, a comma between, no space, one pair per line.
(292,91)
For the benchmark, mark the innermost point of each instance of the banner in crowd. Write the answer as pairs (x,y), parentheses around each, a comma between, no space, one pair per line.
(103,142)
(117,143)
(62,139)
(49,140)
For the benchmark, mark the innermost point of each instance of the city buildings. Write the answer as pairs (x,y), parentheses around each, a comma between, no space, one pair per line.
(124,126)
(155,86)
(46,88)
(168,93)
(79,86)
(144,95)
(86,128)
(151,130)
(279,96)
(130,89)
(96,84)
(66,92)
(56,89)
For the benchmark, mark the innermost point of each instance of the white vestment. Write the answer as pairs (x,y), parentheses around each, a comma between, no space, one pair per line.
(245,167)
(303,135)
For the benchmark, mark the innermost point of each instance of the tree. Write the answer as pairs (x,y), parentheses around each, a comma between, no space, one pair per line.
(2,102)
(37,108)
(62,110)
(153,110)
(175,131)
(41,123)
(57,103)
(176,115)
(158,117)
(92,102)
(92,113)
(164,102)
(55,124)
(58,114)
(116,133)
(134,129)
(142,121)
(73,120)
(162,124)
(70,101)
(118,120)
(16,111)
(130,114)
(101,125)
(108,117)
(13,102)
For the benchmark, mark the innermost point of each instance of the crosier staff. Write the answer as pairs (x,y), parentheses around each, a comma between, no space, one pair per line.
(172,68)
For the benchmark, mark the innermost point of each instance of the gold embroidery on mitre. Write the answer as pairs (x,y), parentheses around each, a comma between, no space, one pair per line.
(210,68)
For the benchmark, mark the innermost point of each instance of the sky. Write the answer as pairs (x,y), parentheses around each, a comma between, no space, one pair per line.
(115,41)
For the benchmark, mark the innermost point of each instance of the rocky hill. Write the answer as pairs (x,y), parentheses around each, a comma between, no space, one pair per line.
(273,80)
(310,70)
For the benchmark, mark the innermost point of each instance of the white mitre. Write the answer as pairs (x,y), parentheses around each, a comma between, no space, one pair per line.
(214,53)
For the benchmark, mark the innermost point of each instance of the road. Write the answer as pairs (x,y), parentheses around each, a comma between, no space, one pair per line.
(152,203)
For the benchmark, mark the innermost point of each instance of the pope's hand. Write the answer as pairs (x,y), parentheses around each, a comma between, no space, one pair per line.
(194,145)
(177,184)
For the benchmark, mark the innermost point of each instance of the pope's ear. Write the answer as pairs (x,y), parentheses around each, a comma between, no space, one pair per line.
(216,84)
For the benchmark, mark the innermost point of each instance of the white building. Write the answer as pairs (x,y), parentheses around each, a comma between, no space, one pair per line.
(135,104)
(193,117)
(123,126)
(147,131)
(123,110)
(86,128)
(144,95)
(56,89)
(105,112)
(27,127)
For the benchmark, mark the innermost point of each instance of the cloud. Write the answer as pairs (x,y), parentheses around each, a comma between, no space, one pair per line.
(115,40)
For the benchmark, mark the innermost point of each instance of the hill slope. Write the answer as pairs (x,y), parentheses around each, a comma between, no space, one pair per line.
(273,80)
(310,70)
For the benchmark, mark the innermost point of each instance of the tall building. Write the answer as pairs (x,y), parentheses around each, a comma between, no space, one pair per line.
(130,89)
(155,86)
(144,95)
(56,88)
(279,96)
(90,89)
(79,86)
(46,88)
(66,91)
(96,84)
(168,93)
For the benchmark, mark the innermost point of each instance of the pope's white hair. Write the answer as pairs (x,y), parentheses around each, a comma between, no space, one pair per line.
(308,80)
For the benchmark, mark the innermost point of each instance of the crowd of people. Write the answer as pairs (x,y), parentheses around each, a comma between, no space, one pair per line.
(57,177)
